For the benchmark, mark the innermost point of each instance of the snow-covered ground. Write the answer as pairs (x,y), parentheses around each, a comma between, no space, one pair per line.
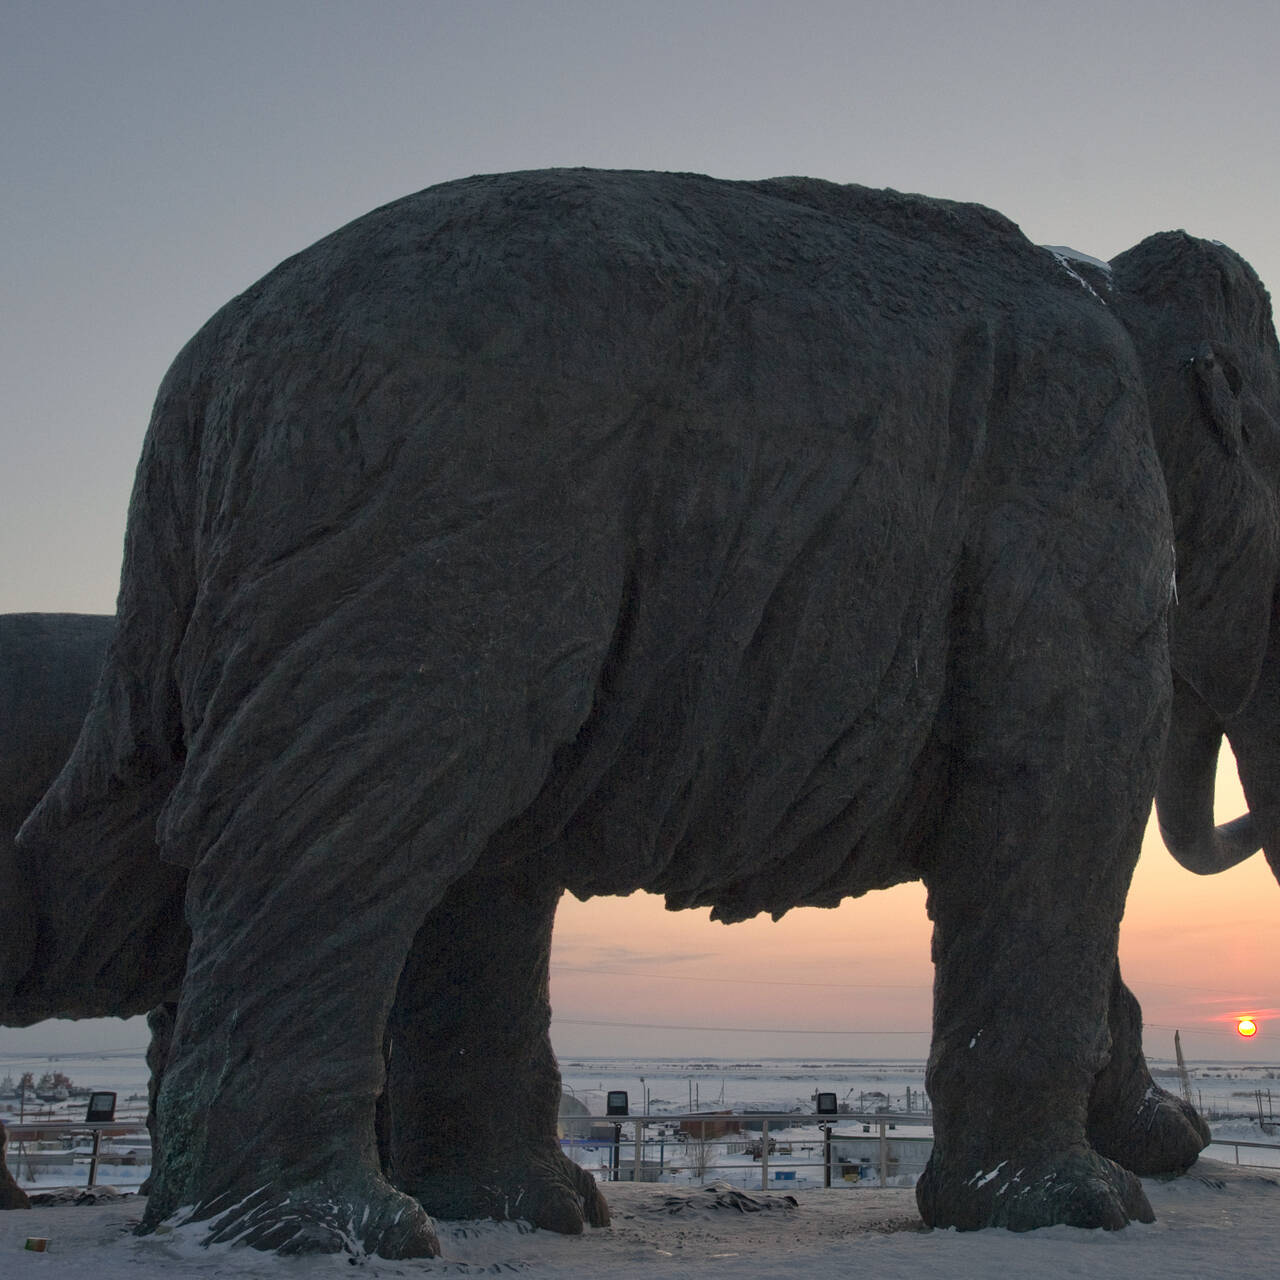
(1214,1221)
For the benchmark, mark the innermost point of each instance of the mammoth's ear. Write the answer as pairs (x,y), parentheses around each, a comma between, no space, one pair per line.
(1218,384)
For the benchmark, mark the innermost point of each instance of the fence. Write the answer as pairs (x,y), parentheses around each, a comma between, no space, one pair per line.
(42,1145)
(878,1156)
(1259,1161)
(787,1148)
(1215,1104)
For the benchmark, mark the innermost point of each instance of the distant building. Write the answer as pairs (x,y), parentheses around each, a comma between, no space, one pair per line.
(856,1157)
(715,1124)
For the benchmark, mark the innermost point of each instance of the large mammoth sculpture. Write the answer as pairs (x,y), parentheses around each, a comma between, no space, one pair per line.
(757,544)
(129,953)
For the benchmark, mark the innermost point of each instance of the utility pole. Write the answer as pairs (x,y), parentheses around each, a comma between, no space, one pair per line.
(1183,1078)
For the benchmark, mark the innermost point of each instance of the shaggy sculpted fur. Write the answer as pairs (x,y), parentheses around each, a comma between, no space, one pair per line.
(753,543)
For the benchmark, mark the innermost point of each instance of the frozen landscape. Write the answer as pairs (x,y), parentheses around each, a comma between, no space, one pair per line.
(1218,1218)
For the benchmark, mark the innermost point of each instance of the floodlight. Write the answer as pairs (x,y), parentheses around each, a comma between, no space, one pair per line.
(102,1107)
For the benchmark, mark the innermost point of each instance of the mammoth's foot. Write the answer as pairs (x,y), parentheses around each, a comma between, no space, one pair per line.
(1153,1133)
(1131,1119)
(536,1183)
(358,1215)
(1078,1188)
(12,1196)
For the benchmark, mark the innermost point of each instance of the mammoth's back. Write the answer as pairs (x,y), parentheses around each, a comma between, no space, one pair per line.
(592,463)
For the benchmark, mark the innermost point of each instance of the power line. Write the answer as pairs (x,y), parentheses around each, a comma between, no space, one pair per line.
(786,1031)
(1181,986)
(745,982)
(843,986)
(816,1031)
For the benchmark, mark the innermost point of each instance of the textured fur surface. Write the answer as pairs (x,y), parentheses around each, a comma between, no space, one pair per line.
(753,543)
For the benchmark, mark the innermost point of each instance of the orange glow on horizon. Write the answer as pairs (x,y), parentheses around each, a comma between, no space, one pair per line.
(1196,950)
(629,977)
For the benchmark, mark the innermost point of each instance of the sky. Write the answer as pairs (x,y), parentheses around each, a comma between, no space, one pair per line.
(160,157)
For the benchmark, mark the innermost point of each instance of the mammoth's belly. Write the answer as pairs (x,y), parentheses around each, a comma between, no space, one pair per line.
(792,762)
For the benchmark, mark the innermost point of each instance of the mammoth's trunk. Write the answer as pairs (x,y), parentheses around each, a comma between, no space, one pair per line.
(1185,792)
(1254,734)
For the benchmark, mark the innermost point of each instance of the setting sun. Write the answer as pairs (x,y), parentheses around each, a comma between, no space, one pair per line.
(1247,1027)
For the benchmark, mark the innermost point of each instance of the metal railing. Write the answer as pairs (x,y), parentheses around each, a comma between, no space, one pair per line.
(1274,1148)
(736,1130)
(40,1133)
(702,1130)
(883,1165)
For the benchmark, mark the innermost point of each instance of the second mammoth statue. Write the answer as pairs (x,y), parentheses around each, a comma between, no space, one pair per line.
(757,544)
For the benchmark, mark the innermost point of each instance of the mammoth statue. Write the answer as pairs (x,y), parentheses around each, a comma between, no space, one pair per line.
(49,666)
(754,543)
(104,925)
(117,937)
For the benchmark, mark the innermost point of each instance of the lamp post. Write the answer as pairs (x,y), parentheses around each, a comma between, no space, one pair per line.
(825,1104)
(616,1105)
(639,1126)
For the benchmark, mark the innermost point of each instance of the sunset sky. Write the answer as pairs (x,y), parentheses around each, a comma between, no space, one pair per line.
(159,157)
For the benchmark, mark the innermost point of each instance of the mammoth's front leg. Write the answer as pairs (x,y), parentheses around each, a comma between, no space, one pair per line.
(1131,1119)
(1055,728)
(267,1102)
(473,1087)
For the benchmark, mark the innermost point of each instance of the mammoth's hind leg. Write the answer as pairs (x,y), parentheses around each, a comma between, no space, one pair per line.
(1131,1119)
(473,1085)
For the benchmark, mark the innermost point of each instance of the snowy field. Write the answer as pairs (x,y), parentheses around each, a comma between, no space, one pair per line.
(784,1084)
(684,1084)
(776,1084)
